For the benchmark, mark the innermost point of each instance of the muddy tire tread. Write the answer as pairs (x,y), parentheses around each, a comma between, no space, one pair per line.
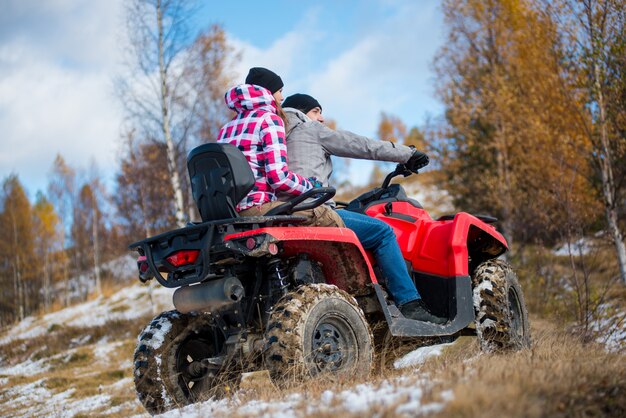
(491,282)
(284,355)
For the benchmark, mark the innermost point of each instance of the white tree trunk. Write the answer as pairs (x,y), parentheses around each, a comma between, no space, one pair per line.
(96,247)
(46,279)
(605,160)
(17,276)
(172,163)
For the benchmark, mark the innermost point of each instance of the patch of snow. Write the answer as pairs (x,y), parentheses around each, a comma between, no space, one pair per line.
(419,356)
(84,405)
(583,246)
(24,330)
(126,406)
(126,365)
(123,384)
(122,268)
(127,304)
(78,341)
(609,325)
(401,396)
(27,368)
(27,400)
(102,350)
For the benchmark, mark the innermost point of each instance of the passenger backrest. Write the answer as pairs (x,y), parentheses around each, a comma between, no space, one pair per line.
(220,178)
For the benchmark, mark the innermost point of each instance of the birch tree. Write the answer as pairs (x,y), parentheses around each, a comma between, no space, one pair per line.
(511,144)
(595,35)
(603,28)
(153,88)
(48,233)
(16,246)
(62,194)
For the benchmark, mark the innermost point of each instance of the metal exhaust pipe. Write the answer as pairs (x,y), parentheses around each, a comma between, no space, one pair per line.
(208,296)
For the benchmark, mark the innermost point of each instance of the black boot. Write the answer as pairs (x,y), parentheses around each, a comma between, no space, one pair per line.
(416,309)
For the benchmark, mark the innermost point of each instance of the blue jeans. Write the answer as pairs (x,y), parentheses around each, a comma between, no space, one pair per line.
(377,236)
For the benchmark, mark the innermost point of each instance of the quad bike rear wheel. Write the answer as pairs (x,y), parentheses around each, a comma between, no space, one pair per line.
(318,329)
(167,373)
(501,314)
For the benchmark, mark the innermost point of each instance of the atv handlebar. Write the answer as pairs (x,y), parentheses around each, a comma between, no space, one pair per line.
(322,195)
(400,169)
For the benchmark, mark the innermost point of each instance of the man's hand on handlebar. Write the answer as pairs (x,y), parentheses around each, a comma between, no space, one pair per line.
(417,161)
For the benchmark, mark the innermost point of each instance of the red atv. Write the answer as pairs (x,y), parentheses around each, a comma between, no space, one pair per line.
(257,293)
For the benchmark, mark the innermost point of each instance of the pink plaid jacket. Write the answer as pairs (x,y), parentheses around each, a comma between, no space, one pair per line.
(260,134)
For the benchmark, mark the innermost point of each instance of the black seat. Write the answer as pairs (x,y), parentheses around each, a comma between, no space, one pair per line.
(220,178)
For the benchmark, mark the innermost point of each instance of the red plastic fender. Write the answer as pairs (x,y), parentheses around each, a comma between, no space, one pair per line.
(460,231)
(434,247)
(345,262)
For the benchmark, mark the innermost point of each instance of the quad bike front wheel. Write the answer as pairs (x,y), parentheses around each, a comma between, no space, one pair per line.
(167,371)
(501,314)
(318,329)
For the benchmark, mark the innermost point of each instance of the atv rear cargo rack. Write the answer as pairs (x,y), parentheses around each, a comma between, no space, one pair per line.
(205,238)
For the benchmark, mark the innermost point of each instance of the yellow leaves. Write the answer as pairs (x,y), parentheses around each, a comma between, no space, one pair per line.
(46,219)
(391,128)
(514,132)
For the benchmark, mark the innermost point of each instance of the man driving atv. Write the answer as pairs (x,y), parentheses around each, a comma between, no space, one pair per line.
(258,131)
(310,145)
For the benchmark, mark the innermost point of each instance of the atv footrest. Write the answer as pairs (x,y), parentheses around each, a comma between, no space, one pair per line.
(399,326)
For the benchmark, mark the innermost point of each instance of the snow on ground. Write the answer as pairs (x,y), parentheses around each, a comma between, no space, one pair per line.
(26,368)
(34,399)
(122,269)
(610,327)
(401,396)
(129,303)
(419,356)
(581,247)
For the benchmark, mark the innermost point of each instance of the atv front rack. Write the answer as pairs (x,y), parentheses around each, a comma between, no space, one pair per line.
(207,238)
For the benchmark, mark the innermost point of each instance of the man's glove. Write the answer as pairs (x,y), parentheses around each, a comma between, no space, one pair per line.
(418,160)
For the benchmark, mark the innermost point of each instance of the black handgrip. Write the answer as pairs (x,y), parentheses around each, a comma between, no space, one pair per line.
(400,169)
(324,194)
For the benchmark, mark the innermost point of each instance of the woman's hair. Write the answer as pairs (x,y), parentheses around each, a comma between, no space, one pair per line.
(280,112)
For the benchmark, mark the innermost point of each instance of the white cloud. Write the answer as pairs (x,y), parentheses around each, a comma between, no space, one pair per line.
(57,62)
(387,68)
(284,56)
(58,58)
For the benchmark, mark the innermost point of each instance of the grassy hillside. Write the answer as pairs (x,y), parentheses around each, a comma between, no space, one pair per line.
(77,362)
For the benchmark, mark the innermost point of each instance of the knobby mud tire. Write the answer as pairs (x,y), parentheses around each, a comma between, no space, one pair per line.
(158,380)
(501,314)
(318,329)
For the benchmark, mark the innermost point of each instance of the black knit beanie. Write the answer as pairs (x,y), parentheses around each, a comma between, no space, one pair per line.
(265,78)
(303,102)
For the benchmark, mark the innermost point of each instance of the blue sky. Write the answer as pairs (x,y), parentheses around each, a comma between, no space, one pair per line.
(58,59)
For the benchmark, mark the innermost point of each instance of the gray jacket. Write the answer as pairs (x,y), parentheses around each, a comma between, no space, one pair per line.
(310,145)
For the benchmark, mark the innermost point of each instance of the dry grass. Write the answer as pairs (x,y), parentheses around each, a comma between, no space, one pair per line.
(72,362)
(59,339)
(558,377)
